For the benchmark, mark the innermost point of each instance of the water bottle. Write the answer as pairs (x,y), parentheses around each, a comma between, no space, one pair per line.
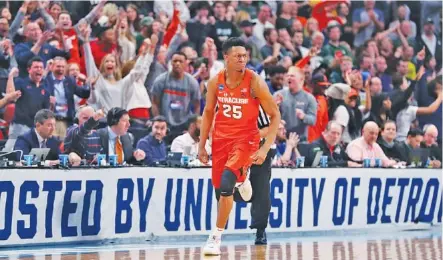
(301,162)
(324,161)
(186,156)
(366,163)
(428,163)
(378,163)
(184,160)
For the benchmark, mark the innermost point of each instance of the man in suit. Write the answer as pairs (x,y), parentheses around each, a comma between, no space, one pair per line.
(62,90)
(40,136)
(115,139)
(413,140)
(329,144)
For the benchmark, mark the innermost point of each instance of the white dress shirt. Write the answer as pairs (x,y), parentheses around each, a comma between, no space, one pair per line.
(185,140)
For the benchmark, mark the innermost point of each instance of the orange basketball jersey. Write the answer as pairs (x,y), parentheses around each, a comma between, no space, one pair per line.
(237,113)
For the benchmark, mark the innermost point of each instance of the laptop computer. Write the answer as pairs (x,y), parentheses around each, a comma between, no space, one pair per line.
(174,159)
(40,154)
(419,156)
(317,158)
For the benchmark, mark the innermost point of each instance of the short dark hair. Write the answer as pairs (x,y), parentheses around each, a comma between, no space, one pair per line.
(363,56)
(34,59)
(268,32)
(199,61)
(276,70)
(232,42)
(219,2)
(296,31)
(432,85)
(400,61)
(192,119)
(388,122)
(114,115)
(397,80)
(202,5)
(179,53)
(159,119)
(42,115)
(415,132)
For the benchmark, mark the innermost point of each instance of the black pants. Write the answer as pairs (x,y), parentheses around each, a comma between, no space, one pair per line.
(261,199)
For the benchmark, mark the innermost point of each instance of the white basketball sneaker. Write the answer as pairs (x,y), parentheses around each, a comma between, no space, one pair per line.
(212,246)
(245,189)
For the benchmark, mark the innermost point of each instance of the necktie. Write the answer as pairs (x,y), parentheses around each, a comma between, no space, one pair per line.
(119,150)
(43,144)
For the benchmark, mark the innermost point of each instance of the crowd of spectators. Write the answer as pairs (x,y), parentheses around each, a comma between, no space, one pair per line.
(354,80)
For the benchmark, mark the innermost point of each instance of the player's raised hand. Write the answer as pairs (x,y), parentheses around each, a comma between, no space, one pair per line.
(203,155)
(259,156)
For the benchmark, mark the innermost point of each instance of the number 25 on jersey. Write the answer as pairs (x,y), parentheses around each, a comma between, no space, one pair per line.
(232,111)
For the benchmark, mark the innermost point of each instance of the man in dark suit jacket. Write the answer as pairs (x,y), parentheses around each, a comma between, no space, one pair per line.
(115,139)
(329,143)
(415,137)
(40,136)
(62,90)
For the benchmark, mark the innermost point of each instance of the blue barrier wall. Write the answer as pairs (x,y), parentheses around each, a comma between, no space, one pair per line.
(41,206)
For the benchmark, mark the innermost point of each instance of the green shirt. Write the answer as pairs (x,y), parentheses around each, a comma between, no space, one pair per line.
(329,50)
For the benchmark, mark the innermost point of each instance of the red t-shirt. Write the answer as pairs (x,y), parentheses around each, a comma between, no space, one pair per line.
(321,15)
(100,50)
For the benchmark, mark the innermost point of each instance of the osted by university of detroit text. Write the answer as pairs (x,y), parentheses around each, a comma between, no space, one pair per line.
(417,200)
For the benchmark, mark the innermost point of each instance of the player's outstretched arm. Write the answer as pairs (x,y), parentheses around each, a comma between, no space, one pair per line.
(208,115)
(261,92)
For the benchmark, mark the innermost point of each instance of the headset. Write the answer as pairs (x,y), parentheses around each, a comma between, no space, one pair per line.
(114,115)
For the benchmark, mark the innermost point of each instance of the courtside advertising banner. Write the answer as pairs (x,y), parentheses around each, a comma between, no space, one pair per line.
(57,206)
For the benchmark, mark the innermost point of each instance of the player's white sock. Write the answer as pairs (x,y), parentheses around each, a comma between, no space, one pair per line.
(218,232)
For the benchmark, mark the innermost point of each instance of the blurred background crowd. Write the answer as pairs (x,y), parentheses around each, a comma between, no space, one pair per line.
(355,80)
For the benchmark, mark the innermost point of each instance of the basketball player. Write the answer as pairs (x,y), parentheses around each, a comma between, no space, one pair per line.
(237,92)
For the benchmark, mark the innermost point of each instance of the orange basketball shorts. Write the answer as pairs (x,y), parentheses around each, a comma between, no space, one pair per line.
(234,155)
